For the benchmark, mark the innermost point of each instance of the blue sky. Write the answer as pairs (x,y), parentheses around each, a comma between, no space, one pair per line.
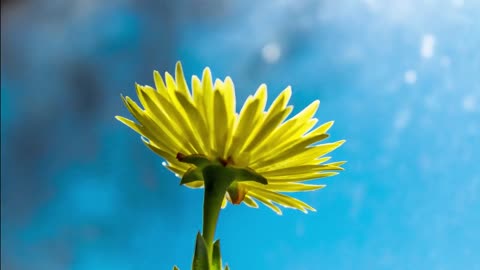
(400,79)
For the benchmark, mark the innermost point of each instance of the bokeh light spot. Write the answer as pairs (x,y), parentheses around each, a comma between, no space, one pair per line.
(410,77)
(271,52)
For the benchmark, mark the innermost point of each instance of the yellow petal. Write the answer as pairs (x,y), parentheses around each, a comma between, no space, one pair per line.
(195,184)
(229,93)
(254,123)
(261,95)
(208,105)
(220,123)
(224,203)
(322,129)
(297,148)
(159,84)
(197,91)
(288,132)
(285,186)
(300,177)
(337,164)
(293,187)
(282,100)
(265,201)
(282,199)
(171,85)
(300,169)
(180,79)
(136,127)
(298,154)
(248,118)
(147,126)
(229,99)
(250,201)
(168,123)
(271,122)
(196,121)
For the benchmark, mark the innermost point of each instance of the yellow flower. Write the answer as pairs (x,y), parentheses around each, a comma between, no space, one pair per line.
(176,123)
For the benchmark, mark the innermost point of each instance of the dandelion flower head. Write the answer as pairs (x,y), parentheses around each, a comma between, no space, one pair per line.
(177,121)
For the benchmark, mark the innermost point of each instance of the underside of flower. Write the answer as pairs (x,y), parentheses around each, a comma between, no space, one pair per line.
(264,152)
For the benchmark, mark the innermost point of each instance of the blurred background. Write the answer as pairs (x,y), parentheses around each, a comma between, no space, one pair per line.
(401,79)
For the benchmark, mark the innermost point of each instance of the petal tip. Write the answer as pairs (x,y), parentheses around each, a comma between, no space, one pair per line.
(228,79)
(207,71)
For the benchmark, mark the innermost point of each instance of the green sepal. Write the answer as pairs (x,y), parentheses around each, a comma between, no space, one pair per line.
(236,193)
(175,267)
(195,159)
(200,258)
(229,172)
(227,268)
(247,174)
(193,174)
(216,257)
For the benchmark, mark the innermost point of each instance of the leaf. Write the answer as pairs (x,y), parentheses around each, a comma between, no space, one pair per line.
(227,268)
(216,258)
(200,258)
(175,267)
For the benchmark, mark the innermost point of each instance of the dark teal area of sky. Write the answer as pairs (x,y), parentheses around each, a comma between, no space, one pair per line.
(400,78)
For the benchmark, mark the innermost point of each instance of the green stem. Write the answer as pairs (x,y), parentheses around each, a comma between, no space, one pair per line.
(211,210)
(216,180)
